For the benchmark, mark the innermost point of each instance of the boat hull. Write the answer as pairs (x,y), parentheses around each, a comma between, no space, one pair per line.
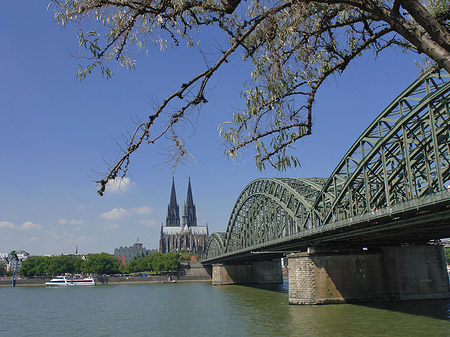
(63,281)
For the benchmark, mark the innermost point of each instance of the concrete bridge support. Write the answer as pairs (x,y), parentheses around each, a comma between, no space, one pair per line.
(389,274)
(258,272)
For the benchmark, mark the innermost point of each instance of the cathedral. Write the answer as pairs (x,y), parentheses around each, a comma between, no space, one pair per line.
(188,235)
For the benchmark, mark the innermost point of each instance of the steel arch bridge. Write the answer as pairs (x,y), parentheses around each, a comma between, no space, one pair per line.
(390,187)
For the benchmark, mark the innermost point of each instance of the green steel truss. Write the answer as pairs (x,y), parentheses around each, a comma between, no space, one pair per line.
(403,155)
(215,245)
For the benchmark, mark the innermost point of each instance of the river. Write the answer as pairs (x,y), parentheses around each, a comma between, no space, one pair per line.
(199,309)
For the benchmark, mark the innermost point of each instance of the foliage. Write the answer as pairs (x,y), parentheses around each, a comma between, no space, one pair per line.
(293,46)
(2,269)
(46,265)
(184,255)
(447,255)
(155,263)
(102,263)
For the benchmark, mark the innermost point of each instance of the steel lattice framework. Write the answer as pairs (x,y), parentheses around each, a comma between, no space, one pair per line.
(215,246)
(402,156)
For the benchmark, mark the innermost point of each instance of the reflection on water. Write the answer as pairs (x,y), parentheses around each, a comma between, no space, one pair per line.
(409,318)
(199,309)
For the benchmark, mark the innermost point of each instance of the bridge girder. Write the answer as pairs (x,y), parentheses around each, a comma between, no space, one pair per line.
(402,156)
(399,157)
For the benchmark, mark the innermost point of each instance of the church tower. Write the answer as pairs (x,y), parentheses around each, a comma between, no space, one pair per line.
(173,210)
(189,236)
(189,214)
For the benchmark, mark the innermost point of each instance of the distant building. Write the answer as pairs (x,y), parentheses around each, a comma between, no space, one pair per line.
(13,260)
(126,254)
(22,255)
(3,258)
(446,243)
(188,236)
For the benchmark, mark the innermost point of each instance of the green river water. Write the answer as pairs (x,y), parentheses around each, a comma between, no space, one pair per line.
(199,309)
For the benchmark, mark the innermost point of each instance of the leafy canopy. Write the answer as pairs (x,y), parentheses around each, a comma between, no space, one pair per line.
(99,264)
(293,46)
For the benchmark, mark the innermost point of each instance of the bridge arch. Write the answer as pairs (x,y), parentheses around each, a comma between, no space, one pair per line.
(215,245)
(271,208)
(402,155)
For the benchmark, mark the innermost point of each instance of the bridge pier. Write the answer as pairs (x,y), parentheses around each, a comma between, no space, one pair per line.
(258,272)
(387,274)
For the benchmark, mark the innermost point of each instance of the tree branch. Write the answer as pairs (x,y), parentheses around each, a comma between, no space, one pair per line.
(123,162)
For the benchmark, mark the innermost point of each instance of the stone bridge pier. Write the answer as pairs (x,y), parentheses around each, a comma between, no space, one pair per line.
(257,272)
(385,274)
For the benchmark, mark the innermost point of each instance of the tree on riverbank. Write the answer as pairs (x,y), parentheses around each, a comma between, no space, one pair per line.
(3,269)
(52,265)
(293,46)
(103,263)
(99,264)
(155,263)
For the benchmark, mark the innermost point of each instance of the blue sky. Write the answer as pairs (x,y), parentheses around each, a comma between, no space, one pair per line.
(56,133)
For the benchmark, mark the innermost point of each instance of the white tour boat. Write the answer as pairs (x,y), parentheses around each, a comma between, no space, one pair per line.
(70,281)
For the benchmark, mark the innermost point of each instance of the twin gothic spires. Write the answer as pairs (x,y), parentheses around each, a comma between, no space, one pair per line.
(188,235)
(173,211)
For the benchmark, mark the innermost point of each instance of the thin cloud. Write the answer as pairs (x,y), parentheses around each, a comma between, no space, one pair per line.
(29,226)
(114,214)
(111,226)
(148,222)
(6,224)
(70,222)
(142,210)
(81,207)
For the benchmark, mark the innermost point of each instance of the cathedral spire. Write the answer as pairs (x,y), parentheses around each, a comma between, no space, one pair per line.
(173,210)
(173,195)
(189,213)
(189,200)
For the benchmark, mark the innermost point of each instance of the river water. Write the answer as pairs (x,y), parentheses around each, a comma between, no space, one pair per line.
(200,309)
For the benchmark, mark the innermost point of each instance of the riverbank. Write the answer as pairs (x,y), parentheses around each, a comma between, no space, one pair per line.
(189,272)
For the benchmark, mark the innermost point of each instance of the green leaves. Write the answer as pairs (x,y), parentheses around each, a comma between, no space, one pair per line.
(103,263)
(99,264)
(155,263)
(438,8)
(83,71)
(110,28)
(52,265)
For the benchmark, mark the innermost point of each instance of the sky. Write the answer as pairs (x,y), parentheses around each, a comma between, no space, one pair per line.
(58,134)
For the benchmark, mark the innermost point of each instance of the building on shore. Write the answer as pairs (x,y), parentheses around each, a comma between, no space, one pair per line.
(186,236)
(13,260)
(126,254)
